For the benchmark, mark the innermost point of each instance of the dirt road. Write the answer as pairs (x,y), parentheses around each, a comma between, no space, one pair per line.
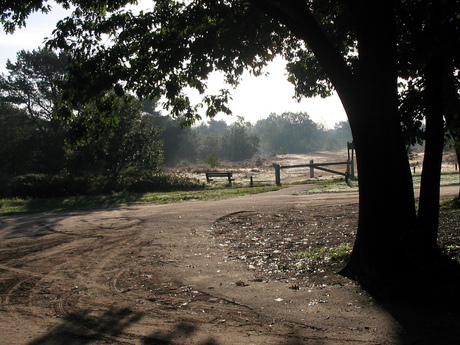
(157,275)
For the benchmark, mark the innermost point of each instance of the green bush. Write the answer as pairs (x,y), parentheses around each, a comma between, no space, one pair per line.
(45,186)
(154,181)
(65,184)
(29,185)
(212,160)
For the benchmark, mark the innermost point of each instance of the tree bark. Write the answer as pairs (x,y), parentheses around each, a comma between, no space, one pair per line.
(387,214)
(428,212)
(457,153)
(387,209)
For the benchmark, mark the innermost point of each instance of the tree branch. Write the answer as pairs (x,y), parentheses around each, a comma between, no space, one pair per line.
(297,16)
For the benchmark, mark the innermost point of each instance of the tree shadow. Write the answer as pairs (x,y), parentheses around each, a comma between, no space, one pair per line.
(426,304)
(180,332)
(81,328)
(35,225)
(184,330)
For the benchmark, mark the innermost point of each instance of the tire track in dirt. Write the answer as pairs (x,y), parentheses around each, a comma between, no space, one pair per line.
(57,265)
(96,275)
(137,275)
(14,298)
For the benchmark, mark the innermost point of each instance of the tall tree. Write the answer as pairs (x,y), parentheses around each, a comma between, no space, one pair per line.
(32,84)
(289,132)
(16,140)
(238,143)
(132,142)
(428,63)
(350,45)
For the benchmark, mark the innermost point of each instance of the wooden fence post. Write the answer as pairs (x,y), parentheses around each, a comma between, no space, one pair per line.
(277,174)
(351,159)
(312,169)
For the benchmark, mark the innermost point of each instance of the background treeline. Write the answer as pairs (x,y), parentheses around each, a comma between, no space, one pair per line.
(241,140)
(122,143)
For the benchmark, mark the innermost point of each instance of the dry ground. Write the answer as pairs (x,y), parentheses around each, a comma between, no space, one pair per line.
(262,171)
(225,272)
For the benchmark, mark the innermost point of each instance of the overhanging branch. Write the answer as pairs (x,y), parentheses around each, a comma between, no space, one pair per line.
(298,17)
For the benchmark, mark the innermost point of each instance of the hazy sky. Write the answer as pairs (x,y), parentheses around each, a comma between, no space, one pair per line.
(255,97)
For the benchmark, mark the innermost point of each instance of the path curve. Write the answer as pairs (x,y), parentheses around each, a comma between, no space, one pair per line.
(153,274)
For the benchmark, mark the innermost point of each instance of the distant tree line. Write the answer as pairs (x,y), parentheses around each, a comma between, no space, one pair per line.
(278,134)
(122,143)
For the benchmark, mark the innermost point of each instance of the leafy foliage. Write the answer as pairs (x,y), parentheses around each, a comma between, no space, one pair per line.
(291,132)
(212,160)
(43,154)
(13,13)
(161,52)
(16,140)
(238,143)
(34,82)
(32,87)
(279,133)
(131,142)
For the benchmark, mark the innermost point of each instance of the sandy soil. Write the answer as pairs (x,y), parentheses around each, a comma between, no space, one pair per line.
(265,174)
(196,273)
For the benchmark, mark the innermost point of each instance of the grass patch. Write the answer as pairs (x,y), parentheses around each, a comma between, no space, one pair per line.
(330,185)
(451,204)
(311,259)
(447,179)
(17,205)
(336,185)
(451,249)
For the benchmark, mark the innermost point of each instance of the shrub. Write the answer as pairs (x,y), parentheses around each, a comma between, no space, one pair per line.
(29,185)
(45,186)
(212,160)
(154,181)
(65,184)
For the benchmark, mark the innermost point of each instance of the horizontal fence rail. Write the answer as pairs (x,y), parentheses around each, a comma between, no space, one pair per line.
(349,173)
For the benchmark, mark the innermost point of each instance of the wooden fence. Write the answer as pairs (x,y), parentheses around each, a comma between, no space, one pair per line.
(349,173)
(320,166)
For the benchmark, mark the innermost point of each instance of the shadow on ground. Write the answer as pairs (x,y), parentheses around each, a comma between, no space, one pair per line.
(428,307)
(81,328)
(428,311)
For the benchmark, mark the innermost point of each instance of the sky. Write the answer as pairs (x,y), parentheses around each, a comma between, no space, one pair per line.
(255,98)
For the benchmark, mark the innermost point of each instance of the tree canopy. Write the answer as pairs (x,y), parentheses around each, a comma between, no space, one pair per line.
(39,147)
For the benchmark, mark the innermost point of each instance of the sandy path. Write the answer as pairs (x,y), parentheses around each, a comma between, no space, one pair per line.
(155,275)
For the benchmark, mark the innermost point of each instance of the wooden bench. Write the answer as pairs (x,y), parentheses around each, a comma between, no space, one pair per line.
(226,174)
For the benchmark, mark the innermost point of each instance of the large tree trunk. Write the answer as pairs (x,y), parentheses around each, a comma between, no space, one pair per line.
(386,201)
(387,214)
(451,101)
(428,213)
(457,153)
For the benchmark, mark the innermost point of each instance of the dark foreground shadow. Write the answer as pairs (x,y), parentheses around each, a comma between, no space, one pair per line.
(428,305)
(427,309)
(81,328)
(177,335)
(182,331)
